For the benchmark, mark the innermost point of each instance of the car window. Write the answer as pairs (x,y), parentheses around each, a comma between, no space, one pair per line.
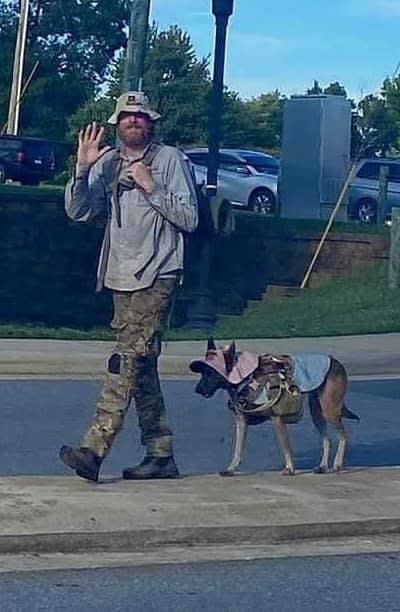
(262,163)
(199,159)
(37,147)
(230,163)
(224,158)
(10,144)
(370,170)
(226,162)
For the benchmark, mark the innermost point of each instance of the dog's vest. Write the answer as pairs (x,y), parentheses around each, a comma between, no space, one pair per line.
(271,391)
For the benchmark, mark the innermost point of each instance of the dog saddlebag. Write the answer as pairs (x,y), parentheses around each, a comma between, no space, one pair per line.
(272,391)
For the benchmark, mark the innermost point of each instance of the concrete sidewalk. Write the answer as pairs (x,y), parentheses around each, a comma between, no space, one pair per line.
(363,355)
(68,515)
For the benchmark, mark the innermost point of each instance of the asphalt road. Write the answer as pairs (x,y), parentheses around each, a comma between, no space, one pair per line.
(37,417)
(360,583)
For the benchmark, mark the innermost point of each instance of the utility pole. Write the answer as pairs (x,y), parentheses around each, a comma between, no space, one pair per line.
(19,55)
(394,261)
(136,49)
(383,193)
(202,313)
(222,10)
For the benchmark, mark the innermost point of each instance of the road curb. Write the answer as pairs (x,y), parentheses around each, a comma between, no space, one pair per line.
(140,540)
(168,368)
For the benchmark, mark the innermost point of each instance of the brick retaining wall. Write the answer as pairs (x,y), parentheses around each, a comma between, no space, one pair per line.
(48,264)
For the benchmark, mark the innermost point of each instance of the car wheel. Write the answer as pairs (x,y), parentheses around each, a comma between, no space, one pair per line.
(2,174)
(262,201)
(367,211)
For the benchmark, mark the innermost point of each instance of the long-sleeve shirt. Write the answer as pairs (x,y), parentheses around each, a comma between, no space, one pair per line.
(148,242)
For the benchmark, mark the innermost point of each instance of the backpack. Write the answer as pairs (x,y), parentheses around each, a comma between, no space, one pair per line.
(215,215)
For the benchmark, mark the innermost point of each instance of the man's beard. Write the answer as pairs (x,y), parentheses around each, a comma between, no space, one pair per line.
(134,136)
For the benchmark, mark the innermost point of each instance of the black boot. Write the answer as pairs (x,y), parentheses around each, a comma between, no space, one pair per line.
(84,461)
(152,467)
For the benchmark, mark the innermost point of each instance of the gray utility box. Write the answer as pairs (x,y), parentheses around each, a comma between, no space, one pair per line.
(315,155)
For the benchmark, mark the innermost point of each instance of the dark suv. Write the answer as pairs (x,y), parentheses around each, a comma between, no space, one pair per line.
(28,160)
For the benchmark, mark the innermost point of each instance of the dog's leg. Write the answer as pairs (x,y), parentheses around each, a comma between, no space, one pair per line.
(322,427)
(341,449)
(322,468)
(240,439)
(283,437)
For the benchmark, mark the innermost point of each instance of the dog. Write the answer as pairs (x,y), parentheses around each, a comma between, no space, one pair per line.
(274,387)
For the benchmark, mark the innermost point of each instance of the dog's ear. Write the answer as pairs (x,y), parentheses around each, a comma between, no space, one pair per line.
(211,345)
(229,356)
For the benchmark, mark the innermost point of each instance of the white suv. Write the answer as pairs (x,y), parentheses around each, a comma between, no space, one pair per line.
(245,178)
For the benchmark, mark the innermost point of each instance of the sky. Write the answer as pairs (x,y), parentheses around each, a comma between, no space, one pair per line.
(286,44)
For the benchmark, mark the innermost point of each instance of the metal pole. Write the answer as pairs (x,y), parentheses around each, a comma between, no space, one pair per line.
(329,224)
(394,261)
(202,313)
(19,54)
(214,135)
(25,87)
(136,49)
(382,196)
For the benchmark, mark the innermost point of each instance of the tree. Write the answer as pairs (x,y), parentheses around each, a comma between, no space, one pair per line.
(335,89)
(391,94)
(377,127)
(235,121)
(316,89)
(265,119)
(74,41)
(178,85)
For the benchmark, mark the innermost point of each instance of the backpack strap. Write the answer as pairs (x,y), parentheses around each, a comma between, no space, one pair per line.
(111,171)
(150,154)
(114,187)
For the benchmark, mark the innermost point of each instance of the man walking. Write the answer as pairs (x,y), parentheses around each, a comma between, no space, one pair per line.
(147,193)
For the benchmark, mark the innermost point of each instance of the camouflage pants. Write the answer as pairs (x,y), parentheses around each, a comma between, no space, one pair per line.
(140,318)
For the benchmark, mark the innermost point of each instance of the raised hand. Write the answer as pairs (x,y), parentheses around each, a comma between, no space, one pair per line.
(89,149)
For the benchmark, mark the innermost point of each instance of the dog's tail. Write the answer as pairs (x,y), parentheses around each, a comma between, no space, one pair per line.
(347,414)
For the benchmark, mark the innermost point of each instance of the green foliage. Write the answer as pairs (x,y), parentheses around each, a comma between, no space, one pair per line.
(74,41)
(178,85)
(266,114)
(343,306)
(80,45)
(97,110)
(377,125)
(235,121)
(19,193)
(347,305)
(336,89)
(315,89)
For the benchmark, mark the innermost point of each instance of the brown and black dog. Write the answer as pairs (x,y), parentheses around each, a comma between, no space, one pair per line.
(236,373)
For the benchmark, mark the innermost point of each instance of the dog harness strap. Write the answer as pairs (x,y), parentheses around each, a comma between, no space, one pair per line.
(274,385)
(247,408)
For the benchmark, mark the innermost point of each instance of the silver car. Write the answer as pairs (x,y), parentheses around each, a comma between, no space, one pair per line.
(245,178)
(364,189)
